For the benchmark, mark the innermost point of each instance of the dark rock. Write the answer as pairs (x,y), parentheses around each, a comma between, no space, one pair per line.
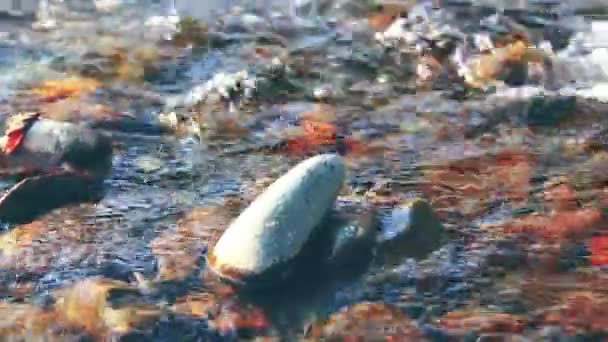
(508,258)
(429,282)
(36,196)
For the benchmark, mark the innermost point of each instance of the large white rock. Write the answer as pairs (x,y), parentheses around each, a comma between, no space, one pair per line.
(275,227)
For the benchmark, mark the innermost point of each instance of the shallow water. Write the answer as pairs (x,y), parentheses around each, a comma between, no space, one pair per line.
(478,170)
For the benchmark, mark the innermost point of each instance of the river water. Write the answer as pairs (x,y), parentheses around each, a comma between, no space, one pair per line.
(171,195)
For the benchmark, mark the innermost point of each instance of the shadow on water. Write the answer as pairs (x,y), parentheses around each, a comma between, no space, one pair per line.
(320,280)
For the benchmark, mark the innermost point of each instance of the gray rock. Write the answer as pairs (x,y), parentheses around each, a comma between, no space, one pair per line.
(49,144)
(276,226)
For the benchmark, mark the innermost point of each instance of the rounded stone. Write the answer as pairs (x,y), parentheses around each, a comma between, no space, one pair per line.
(276,226)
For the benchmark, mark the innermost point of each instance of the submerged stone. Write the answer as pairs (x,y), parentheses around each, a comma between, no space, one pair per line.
(276,226)
(354,239)
(35,196)
(67,163)
(412,229)
(414,215)
(33,144)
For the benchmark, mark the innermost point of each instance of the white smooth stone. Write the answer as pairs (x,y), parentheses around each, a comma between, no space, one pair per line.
(275,227)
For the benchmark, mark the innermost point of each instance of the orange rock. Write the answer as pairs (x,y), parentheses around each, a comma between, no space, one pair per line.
(53,90)
(471,182)
(386,13)
(75,109)
(22,236)
(584,313)
(201,305)
(84,305)
(318,134)
(512,172)
(488,68)
(315,134)
(381,21)
(560,197)
(364,322)
(562,225)
(133,64)
(357,148)
(482,322)
(550,290)
(599,250)
(320,112)
(427,71)
(236,318)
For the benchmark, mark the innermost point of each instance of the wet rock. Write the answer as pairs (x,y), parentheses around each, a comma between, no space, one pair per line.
(354,240)
(595,142)
(428,281)
(568,224)
(386,12)
(513,65)
(583,313)
(73,160)
(94,306)
(547,111)
(116,270)
(366,321)
(241,321)
(25,201)
(460,324)
(77,109)
(199,305)
(529,104)
(52,90)
(506,254)
(275,227)
(226,316)
(416,215)
(546,290)
(32,144)
(589,174)
(411,230)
